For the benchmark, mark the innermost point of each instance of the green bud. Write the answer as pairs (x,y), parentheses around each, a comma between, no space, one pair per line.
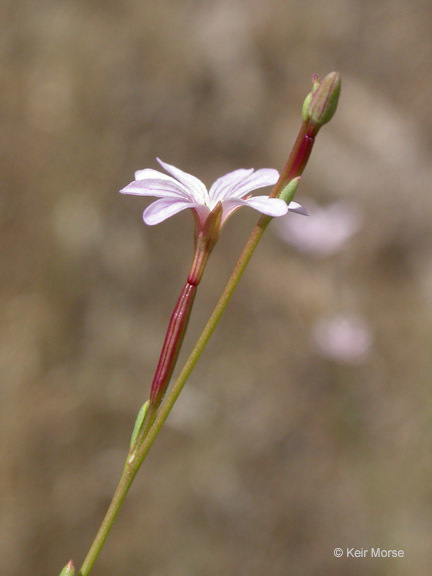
(290,189)
(308,99)
(325,99)
(68,570)
(139,422)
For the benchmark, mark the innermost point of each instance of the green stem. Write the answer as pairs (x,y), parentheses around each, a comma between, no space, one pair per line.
(155,419)
(142,450)
(154,422)
(127,477)
(137,456)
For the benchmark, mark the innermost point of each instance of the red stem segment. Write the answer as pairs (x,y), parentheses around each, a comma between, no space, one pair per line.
(171,346)
(298,157)
(177,327)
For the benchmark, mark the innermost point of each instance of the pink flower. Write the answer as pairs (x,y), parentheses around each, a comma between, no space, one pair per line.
(181,190)
(344,338)
(325,232)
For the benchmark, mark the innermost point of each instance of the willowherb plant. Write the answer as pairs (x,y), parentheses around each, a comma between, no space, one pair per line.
(177,191)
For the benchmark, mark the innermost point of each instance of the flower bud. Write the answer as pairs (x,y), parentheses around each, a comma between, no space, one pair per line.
(68,570)
(325,99)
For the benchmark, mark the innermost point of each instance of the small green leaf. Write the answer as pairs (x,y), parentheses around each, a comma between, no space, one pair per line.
(139,422)
(289,191)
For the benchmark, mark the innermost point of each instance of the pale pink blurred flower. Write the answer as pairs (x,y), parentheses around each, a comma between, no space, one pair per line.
(344,338)
(181,190)
(326,230)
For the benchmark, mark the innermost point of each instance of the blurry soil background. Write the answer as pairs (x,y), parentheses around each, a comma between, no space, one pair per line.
(307,424)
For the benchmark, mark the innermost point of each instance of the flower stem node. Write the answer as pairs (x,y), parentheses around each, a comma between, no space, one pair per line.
(68,570)
(324,99)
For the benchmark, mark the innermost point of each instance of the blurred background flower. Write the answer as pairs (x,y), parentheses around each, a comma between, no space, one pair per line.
(297,454)
(343,338)
(325,232)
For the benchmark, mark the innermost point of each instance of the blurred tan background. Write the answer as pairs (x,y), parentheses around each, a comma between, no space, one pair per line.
(297,433)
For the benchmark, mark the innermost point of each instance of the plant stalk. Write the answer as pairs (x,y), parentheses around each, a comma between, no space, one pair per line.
(156,418)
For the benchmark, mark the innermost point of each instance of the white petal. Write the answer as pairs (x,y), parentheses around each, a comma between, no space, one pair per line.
(168,188)
(297,208)
(149,173)
(193,184)
(165,208)
(259,179)
(264,204)
(222,187)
